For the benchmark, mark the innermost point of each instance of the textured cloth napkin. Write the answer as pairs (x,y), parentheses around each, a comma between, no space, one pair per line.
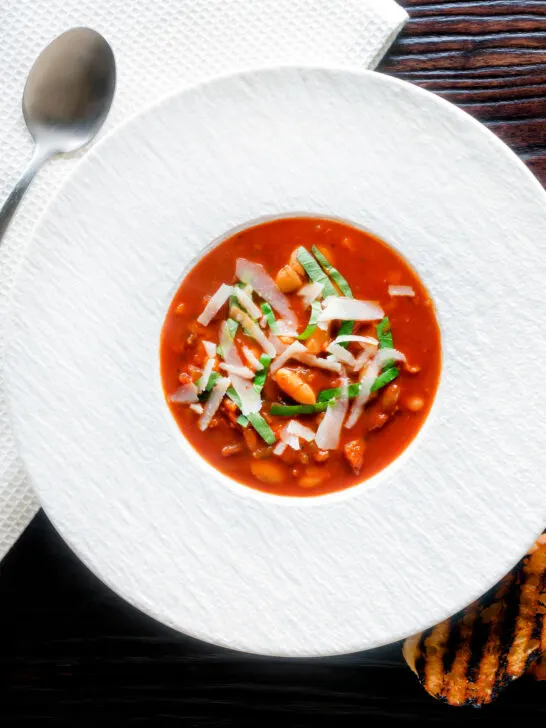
(160,47)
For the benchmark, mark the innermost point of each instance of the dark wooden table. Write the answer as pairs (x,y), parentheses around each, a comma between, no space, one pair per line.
(71,653)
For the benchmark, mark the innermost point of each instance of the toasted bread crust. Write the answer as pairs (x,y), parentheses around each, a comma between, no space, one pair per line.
(468,659)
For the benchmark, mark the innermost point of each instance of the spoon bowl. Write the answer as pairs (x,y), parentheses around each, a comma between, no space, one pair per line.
(67,97)
(69,90)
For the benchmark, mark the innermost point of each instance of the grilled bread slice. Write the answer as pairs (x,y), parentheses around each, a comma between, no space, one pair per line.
(468,659)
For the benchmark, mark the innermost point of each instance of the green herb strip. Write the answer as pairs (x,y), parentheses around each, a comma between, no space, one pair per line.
(261,376)
(234,397)
(214,377)
(233,300)
(388,376)
(316,308)
(255,419)
(384,336)
(232,327)
(329,395)
(282,410)
(315,272)
(262,428)
(270,316)
(346,329)
(334,274)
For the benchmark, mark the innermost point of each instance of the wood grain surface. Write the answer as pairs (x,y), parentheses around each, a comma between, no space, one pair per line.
(71,653)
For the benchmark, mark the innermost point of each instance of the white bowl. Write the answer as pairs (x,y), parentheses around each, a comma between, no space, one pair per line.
(221,562)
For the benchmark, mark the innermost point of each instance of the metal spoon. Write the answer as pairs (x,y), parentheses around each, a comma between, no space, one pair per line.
(67,97)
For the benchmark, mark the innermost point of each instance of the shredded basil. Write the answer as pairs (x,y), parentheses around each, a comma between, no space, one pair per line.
(234,397)
(214,377)
(261,376)
(384,336)
(262,428)
(270,316)
(388,376)
(316,308)
(327,395)
(255,419)
(334,274)
(282,410)
(233,300)
(232,327)
(315,272)
(346,329)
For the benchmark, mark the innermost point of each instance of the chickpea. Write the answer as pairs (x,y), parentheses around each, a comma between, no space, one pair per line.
(308,481)
(294,386)
(288,279)
(268,471)
(295,264)
(390,397)
(415,403)
(313,477)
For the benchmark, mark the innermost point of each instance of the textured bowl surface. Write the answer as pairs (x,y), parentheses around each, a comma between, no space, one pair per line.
(219,561)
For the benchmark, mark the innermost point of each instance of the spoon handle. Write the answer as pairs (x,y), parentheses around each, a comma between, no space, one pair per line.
(10,205)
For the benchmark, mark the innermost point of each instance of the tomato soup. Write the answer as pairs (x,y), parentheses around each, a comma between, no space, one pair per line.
(300,356)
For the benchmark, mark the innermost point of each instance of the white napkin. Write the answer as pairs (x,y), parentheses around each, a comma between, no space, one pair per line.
(160,46)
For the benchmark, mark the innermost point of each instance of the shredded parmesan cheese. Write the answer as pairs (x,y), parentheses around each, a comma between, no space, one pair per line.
(186,393)
(366,383)
(329,431)
(215,304)
(253,329)
(296,428)
(251,359)
(342,355)
(213,402)
(243,372)
(288,353)
(265,286)
(337,308)
(401,291)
